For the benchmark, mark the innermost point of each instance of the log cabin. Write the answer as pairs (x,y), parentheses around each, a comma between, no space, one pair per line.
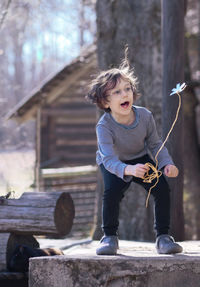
(65,145)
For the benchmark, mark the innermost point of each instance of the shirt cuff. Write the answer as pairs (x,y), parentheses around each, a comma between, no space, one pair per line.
(126,178)
(162,165)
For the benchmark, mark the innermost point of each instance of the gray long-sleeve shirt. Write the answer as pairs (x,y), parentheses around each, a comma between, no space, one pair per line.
(118,143)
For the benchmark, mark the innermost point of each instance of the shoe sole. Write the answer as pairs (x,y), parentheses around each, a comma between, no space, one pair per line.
(173,250)
(106,252)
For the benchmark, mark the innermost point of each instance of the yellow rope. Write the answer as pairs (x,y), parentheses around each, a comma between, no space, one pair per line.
(157,173)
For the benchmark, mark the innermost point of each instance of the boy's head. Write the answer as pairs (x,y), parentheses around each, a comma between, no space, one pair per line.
(106,81)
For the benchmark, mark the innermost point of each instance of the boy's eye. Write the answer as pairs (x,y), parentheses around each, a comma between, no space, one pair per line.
(128,89)
(117,92)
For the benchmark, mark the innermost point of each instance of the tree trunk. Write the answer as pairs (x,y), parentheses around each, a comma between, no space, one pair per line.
(38,213)
(191,159)
(8,242)
(19,67)
(173,73)
(136,23)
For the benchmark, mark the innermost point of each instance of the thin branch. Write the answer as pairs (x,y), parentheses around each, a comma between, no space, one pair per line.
(193,84)
(5,12)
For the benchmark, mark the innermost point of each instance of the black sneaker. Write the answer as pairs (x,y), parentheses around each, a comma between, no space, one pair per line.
(108,245)
(165,244)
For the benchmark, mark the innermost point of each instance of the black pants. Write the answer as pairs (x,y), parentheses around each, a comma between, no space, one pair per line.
(114,189)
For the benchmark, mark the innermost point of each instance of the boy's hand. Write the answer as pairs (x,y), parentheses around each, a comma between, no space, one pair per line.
(171,170)
(137,170)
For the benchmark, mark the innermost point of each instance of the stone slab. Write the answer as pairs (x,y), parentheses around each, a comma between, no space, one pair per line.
(136,265)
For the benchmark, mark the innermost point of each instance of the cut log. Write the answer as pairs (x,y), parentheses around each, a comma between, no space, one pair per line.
(8,242)
(38,213)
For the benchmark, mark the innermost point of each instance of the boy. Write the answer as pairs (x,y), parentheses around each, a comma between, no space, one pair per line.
(127,136)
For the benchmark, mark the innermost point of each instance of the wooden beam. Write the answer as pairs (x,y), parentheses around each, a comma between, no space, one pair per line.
(64,120)
(74,142)
(64,111)
(38,149)
(68,171)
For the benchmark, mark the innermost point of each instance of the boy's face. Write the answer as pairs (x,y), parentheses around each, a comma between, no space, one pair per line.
(120,99)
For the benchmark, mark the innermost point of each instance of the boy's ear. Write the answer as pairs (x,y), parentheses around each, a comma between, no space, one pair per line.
(106,105)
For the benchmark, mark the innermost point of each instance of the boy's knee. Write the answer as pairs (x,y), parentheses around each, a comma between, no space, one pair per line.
(163,183)
(113,195)
(162,188)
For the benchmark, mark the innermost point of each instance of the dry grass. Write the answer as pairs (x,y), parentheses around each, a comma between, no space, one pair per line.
(16,171)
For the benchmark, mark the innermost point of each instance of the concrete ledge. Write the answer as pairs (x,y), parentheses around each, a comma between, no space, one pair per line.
(136,265)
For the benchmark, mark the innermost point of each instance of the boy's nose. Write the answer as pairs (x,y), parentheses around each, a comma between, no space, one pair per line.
(124,94)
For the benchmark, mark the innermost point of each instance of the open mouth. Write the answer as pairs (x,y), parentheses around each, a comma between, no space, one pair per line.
(125,104)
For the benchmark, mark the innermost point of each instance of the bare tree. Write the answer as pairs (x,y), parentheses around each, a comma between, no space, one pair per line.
(173,73)
(136,23)
(4,11)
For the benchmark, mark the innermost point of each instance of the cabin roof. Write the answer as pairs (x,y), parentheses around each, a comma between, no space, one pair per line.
(54,85)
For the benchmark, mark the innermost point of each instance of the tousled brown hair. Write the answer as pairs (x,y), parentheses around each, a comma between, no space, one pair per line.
(107,80)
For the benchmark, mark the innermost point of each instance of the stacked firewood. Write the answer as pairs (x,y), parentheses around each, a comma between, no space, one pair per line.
(34,213)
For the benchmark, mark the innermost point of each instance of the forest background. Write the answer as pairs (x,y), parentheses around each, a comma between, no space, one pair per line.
(38,37)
